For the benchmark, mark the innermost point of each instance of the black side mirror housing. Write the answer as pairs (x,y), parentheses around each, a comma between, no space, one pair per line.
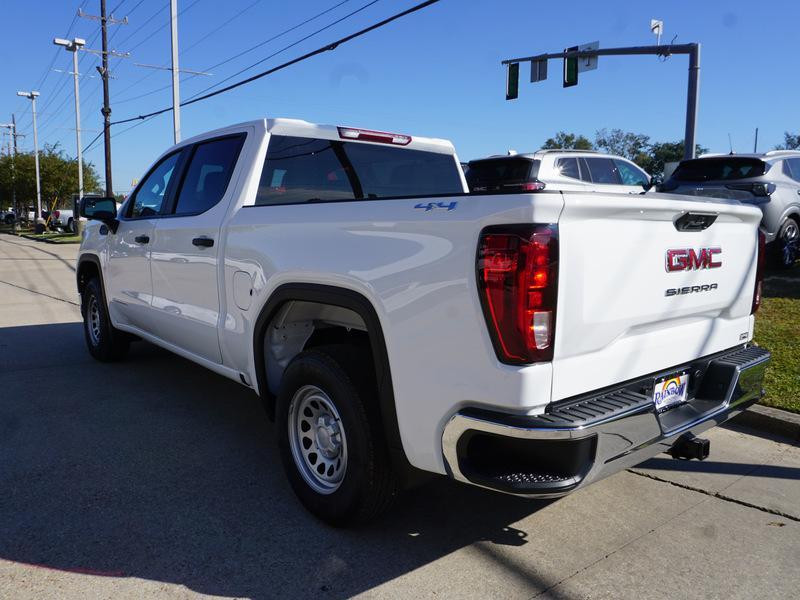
(655,181)
(100,209)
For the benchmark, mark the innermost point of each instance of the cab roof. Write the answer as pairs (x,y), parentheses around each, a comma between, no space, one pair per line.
(300,128)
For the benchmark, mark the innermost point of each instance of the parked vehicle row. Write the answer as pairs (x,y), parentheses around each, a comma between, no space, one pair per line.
(562,170)
(394,324)
(770,181)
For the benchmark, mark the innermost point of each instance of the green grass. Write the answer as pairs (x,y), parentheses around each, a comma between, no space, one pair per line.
(60,238)
(778,330)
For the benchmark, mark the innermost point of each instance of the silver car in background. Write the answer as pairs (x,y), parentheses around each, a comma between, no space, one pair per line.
(770,181)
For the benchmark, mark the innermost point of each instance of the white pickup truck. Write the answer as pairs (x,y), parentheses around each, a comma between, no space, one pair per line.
(394,324)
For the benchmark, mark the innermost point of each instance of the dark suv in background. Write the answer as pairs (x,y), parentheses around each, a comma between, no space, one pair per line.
(770,181)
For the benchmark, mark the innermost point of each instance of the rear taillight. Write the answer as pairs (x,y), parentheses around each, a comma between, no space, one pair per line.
(759,272)
(57,214)
(528,186)
(757,189)
(518,283)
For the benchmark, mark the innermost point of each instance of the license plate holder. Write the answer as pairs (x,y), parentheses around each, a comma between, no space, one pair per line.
(670,391)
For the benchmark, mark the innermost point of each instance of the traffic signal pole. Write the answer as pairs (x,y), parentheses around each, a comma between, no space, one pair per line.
(693,91)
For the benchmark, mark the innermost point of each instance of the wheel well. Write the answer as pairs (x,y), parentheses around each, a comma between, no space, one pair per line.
(87,269)
(300,325)
(341,315)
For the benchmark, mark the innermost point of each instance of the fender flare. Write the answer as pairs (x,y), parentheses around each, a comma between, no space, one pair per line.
(345,298)
(94,259)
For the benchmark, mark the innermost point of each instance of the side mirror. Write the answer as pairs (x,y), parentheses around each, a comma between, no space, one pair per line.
(100,209)
(655,181)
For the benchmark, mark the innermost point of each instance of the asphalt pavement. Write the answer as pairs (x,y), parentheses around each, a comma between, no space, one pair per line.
(156,478)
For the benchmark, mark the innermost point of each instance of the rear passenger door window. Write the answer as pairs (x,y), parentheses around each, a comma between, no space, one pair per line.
(301,170)
(208,175)
(602,170)
(568,167)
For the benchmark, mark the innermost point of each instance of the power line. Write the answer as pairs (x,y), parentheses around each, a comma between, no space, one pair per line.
(327,48)
(303,39)
(235,56)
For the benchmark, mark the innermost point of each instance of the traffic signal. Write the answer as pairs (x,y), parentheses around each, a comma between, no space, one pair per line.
(571,68)
(512,81)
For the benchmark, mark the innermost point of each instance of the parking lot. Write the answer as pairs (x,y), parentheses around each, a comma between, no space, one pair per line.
(157,478)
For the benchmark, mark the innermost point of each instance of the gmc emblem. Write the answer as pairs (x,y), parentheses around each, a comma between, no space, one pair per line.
(688,259)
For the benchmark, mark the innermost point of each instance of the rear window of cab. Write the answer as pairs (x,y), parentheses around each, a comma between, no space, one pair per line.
(299,170)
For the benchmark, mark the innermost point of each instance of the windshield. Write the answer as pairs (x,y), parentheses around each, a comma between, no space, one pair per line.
(724,168)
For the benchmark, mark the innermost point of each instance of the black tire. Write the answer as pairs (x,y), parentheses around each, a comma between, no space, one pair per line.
(104,341)
(368,486)
(70,228)
(786,247)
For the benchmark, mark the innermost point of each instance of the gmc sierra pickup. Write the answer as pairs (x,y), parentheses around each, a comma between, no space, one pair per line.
(393,324)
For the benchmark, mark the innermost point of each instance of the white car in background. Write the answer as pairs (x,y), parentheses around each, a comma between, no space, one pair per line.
(559,170)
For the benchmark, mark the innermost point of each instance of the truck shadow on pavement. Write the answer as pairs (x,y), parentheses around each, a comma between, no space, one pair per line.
(158,469)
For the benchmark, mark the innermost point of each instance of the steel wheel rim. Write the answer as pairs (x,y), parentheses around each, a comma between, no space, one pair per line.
(93,321)
(790,238)
(317,439)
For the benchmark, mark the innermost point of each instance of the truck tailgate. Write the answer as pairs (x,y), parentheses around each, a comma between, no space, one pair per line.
(622,312)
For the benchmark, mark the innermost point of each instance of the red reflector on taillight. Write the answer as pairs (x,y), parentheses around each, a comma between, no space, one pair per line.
(367,135)
(533,186)
(56,213)
(759,272)
(517,279)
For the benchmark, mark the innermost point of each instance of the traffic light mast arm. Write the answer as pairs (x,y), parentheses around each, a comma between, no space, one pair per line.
(693,92)
(664,50)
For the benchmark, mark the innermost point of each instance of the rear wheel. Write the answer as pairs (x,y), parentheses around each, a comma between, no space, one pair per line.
(787,243)
(104,341)
(329,436)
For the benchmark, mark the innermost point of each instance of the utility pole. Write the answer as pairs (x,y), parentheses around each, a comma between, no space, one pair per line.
(73,46)
(176,100)
(32,95)
(106,110)
(104,73)
(176,71)
(693,91)
(12,151)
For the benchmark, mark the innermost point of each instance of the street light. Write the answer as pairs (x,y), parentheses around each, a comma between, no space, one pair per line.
(32,95)
(73,46)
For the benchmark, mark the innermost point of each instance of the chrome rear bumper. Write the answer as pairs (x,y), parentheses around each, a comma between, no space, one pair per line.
(584,439)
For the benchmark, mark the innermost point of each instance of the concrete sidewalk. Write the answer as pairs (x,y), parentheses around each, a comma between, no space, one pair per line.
(156,478)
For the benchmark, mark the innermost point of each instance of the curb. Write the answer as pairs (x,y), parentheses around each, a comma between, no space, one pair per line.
(771,420)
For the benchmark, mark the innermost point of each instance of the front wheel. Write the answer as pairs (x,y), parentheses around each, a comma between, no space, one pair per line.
(787,244)
(330,439)
(104,341)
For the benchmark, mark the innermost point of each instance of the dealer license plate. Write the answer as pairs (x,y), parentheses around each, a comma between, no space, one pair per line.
(671,390)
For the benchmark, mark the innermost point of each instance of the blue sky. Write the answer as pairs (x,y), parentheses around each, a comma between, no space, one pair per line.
(435,73)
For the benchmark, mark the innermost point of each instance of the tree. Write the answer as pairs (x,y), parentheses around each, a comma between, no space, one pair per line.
(660,153)
(58,176)
(633,146)
(568,141)
(791,141)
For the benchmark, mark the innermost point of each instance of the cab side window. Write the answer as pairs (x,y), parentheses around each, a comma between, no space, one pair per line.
(208,175)
(629,174)
(149,196)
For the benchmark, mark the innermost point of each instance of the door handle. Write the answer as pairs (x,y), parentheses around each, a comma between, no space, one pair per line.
(142,239)
(203,242)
